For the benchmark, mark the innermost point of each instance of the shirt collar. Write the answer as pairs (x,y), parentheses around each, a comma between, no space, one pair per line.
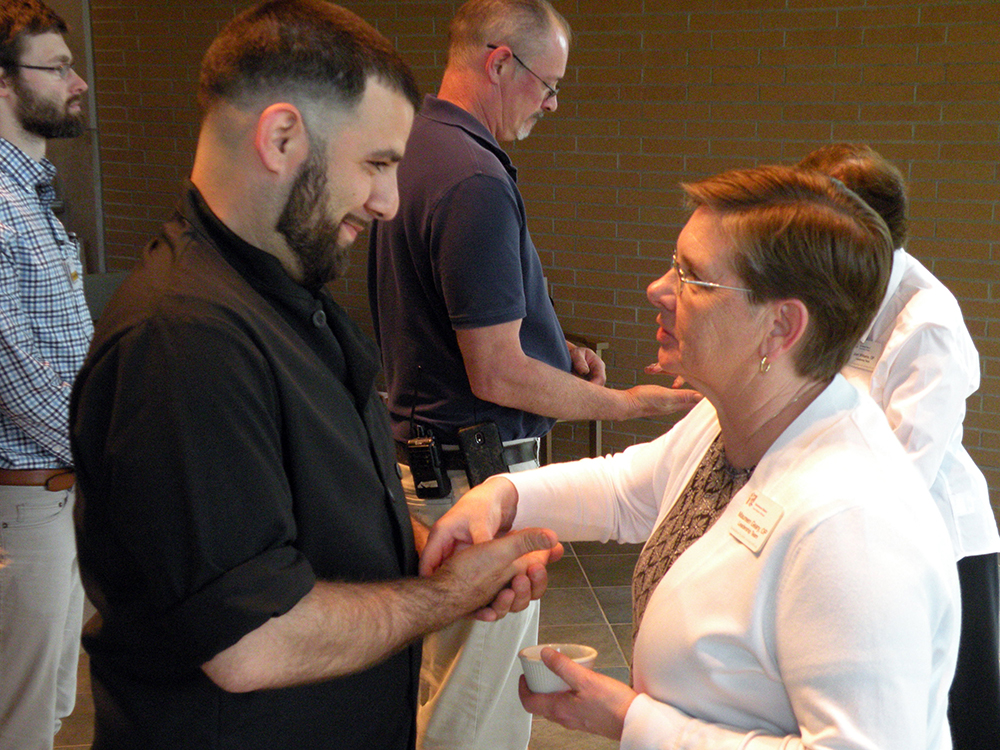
(31,174)
(258,267)
(264,273)
(895,277)
(446,113)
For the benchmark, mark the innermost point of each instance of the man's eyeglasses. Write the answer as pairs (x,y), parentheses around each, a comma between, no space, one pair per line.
(62,70)
(552,93)
(683,278)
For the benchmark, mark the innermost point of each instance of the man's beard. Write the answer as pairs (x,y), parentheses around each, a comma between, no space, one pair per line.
(42,117)
(310,233)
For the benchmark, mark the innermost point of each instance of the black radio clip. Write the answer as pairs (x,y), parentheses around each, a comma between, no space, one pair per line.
(430,480)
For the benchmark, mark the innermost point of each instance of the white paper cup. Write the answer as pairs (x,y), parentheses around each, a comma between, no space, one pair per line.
(540,678)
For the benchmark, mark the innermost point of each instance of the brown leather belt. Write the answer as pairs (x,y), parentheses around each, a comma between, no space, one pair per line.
(54,480)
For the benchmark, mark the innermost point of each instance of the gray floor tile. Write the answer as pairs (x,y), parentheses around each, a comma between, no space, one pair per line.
(547,735)
(623,634)
(606,548)
(566,573)
(609,570)
(616,602)
(576,606)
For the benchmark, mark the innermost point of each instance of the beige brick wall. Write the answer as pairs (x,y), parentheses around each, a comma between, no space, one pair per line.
(656,92)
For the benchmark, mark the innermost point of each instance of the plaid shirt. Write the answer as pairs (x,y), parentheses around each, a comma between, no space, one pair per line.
(45,326)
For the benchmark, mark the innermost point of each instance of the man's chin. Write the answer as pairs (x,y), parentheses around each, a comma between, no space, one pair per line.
(68,127)
(525,130)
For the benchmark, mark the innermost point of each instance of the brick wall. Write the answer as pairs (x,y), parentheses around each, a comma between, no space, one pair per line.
(655,93)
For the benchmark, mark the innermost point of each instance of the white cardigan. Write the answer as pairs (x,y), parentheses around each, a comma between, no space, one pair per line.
(841,632)
(920,364)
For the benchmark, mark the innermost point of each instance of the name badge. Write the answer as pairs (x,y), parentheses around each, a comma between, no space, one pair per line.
(865,355)
(73,274)
(755,521)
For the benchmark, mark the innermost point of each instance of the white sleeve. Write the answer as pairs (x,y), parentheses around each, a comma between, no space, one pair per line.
(924,393)
(650,725)
(594,499)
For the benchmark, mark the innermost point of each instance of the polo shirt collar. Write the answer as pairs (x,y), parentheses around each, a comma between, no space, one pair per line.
(895,279)
(447,113)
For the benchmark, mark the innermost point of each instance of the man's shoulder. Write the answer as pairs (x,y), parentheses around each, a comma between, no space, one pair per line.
(12,196)
(922,300)
(448,148)
(179,276)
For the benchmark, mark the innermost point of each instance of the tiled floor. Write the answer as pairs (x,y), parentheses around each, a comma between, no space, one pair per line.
(588,601)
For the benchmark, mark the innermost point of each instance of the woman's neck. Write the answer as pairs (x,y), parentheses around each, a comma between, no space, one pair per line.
(753,421)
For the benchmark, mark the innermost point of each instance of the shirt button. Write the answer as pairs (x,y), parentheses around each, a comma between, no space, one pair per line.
(319,319)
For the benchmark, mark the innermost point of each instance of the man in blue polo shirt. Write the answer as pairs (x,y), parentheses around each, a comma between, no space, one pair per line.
(469,335)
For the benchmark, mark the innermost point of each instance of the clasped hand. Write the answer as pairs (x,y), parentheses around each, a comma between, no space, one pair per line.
(595,703)
(473,541)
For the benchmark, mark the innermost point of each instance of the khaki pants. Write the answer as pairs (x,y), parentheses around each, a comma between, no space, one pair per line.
(41,612)
(470,669)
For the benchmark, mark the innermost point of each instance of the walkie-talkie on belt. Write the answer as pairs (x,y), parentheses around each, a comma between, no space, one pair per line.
(430,480)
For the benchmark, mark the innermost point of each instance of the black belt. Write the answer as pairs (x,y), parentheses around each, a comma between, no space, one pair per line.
(453,460)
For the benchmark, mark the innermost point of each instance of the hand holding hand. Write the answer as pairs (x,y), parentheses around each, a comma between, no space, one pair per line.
(481,514)
(492,579)
(594,703)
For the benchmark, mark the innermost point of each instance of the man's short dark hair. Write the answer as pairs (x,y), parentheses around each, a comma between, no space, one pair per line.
(307,48)
(870,175)
(21,18)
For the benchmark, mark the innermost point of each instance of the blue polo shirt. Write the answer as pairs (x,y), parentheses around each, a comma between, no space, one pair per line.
(457,255)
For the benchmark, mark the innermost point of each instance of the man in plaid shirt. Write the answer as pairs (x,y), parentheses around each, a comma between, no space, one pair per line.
(45,329)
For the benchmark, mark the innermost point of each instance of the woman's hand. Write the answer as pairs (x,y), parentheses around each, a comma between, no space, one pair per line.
(481,514)
(594,703)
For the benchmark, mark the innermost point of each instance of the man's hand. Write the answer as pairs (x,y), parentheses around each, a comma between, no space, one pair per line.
(657,401)
(594,703)
(495,578)
(420,534)
(657,369)
(484,513)
(481,514)
(587,364)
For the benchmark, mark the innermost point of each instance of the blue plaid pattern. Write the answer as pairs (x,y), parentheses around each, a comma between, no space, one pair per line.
(45,326)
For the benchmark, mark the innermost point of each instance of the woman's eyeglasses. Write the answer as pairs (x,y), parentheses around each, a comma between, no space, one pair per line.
(684,279)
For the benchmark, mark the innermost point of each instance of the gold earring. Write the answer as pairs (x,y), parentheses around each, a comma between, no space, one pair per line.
(764,364)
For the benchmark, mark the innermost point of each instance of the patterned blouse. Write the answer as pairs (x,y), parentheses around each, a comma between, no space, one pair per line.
(704,499)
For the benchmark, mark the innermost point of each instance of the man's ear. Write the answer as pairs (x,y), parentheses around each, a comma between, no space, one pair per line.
(6,87)
(281,139)
(495,62)
(788,324)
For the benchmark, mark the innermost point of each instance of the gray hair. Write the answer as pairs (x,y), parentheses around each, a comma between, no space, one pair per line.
(520,24)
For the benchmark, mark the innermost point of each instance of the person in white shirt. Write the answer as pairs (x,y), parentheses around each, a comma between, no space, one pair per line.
(797,588)
(919,363)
